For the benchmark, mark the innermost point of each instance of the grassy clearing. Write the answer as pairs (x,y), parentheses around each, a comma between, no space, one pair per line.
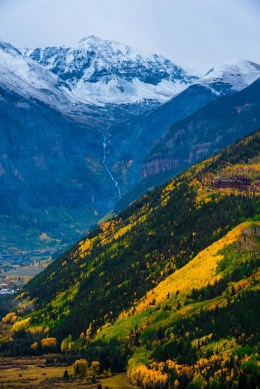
(29,372)
(117,381)
(32,372)
(26,271)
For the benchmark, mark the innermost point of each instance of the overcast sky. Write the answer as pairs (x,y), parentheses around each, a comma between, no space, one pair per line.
(194,33)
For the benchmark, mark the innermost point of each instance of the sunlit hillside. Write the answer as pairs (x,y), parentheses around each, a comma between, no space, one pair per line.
(168,289)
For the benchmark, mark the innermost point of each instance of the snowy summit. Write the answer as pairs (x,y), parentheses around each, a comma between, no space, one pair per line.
(235,75)
(102,71)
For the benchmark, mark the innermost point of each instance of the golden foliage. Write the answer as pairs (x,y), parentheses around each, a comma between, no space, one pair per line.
(36,330)
(80,367)
(21,324)
(34,346)
(67,344)
(50,343)
(142,376)
(198,273)
(10,318)
(251,170)
(85,247)
(95,365)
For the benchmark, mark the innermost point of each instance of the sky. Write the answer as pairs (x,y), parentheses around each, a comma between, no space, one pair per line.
(196,34)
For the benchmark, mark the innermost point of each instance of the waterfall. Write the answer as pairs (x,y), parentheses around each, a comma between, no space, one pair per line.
(106,136)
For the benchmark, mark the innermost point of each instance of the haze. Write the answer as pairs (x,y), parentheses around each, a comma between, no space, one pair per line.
(196,34)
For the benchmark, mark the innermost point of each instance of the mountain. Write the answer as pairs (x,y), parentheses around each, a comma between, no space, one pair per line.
(55,180)
(54,184)
(168,287)
(105,72)
(231,76)
(55,177)
(65,163)
(32,81)
(29,79)
(139,136)
(160,154)
(224,79)
(208,130)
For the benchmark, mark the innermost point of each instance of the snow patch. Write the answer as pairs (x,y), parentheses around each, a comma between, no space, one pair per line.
(237,74)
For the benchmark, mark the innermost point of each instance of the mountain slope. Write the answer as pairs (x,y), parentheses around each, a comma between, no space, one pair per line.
(206,131)
(189,140)
(53,182)
(100,71)
(224,79)
(230,77)
(169,287)
(198,320)
(204,334)
(31,80)
(156,235)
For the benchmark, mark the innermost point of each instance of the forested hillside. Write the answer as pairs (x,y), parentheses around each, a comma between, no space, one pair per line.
(169,287)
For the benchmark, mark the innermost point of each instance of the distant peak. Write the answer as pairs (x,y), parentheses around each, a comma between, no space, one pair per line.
(7,47)
(92,41)
(240,65)
(91,38)
(231,76)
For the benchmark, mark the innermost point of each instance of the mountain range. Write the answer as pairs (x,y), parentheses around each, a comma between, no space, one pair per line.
(81,126)
(100,72)
(154,173)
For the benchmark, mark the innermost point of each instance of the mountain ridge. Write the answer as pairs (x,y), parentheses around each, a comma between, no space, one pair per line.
(112,72)
(229,112)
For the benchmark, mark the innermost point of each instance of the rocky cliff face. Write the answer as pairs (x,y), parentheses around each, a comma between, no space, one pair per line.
(166,163)
(159,165)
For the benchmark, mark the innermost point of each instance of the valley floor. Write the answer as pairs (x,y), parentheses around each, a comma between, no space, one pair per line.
(32,372)
(15,277)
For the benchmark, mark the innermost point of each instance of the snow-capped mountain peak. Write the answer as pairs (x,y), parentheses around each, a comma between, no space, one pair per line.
(29,79)
(113,49)
(235,75)
(7,47)
(103,71)
(91,38)
(98,72)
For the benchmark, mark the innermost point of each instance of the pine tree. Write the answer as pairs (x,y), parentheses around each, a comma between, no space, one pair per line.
(66,375)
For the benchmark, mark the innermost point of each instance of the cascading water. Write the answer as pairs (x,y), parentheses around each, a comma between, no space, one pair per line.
(106,136)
